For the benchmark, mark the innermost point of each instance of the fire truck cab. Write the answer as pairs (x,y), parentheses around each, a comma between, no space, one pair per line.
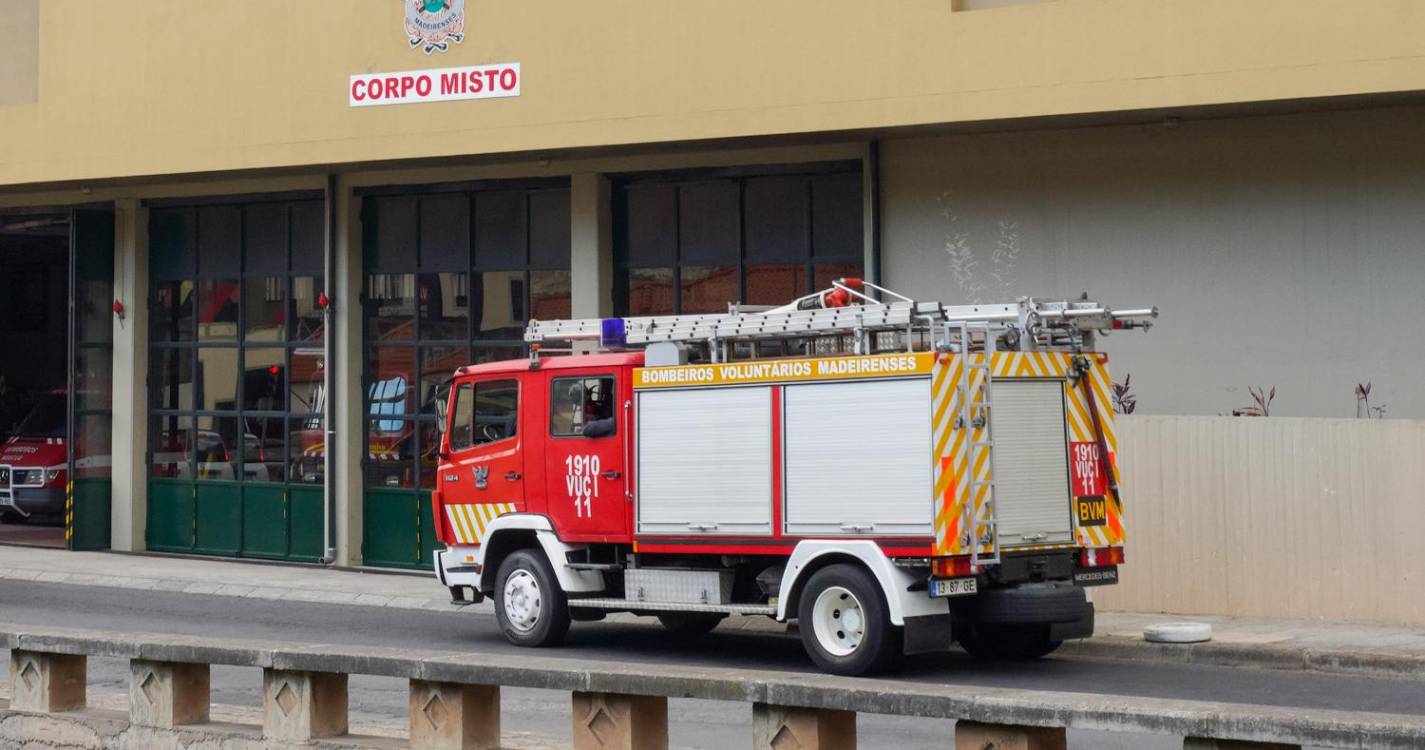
(949,478)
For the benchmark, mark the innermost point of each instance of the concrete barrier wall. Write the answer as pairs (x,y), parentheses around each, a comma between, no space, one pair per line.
(1282,517)
(455,702)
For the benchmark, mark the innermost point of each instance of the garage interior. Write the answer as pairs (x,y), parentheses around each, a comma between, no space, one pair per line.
(34,250)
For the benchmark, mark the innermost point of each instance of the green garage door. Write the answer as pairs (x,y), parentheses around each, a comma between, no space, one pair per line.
(452,274)
(91,386)
(237,365)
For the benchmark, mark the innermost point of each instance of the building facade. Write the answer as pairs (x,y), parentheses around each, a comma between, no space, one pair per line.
(269,277)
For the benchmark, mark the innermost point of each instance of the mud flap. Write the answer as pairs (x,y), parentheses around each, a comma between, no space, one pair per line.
(928,634)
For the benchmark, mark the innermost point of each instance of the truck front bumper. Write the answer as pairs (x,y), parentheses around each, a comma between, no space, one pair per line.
(33,501)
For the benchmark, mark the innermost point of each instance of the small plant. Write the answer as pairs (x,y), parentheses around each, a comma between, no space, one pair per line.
(1124,400)
(1263,407)
(1363,403)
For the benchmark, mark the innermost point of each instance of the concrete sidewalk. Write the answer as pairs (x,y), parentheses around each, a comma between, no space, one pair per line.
(1338,648)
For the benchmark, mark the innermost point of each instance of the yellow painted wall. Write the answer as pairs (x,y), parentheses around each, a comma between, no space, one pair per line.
(143,87)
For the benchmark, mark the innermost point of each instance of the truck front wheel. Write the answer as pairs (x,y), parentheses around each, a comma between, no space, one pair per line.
(529,605)
(845,624)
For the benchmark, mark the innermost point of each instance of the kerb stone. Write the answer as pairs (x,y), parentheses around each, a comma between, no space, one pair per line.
(786,728)
(609,721)
(970,735)
(1201,743)
(47,683)
(302,706)
(448,716)
(167,694)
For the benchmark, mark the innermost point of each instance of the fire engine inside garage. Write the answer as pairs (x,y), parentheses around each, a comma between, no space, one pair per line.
(55,376)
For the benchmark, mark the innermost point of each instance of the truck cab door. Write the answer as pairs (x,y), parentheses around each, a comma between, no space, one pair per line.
(484,476)
(585,456)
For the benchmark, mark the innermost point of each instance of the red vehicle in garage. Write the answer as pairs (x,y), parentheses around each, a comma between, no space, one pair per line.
(894,475)
(34,461)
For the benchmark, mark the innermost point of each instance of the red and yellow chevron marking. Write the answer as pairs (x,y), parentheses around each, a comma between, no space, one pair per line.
(470,521)
(944,381)
(952,445)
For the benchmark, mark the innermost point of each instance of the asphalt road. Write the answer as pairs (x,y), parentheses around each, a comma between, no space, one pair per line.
(694,724)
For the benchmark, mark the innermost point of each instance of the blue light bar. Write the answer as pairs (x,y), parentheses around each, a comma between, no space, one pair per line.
(613,334)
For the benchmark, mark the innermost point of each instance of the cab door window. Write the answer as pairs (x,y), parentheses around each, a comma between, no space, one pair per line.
(496,411)
(582,407)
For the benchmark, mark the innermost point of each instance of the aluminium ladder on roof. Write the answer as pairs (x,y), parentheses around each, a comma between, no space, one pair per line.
(807,317)
(1027,315)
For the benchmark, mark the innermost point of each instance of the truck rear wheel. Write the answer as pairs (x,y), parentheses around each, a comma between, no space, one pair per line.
(690,623)
(529,605)
(1008,642)
(845,623)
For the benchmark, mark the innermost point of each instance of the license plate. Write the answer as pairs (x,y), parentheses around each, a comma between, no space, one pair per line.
(1104,576)
(953,587)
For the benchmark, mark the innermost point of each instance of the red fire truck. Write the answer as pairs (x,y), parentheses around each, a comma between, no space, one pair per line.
(34,465)
(894,475)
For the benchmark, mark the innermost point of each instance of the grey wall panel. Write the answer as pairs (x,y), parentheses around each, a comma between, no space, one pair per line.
(1283,250)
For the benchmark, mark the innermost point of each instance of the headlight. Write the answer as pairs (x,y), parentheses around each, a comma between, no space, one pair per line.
(52,474)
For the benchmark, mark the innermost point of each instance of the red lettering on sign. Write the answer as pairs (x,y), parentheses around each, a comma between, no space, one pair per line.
(476,82)
(452,83)
(1087,465)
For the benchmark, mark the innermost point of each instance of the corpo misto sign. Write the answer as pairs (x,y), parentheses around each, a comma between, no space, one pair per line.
(439,85)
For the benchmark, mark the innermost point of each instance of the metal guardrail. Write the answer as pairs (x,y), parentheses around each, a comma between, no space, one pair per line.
(455,698)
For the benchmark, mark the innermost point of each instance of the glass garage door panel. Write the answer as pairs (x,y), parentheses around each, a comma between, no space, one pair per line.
(91,386)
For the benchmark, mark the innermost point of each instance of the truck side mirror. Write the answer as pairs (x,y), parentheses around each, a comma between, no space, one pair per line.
(442,406)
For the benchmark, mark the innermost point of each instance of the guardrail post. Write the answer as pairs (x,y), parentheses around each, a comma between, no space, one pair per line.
(167,694)
(46,683)
(778,727)
(301,706)
(625,722)
(970,735)
(1202,743)
(449,716)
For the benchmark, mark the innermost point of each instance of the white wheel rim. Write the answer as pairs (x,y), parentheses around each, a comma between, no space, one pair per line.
(523,601)
(838,621)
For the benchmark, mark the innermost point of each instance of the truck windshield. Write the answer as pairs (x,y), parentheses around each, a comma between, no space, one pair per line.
(46,418)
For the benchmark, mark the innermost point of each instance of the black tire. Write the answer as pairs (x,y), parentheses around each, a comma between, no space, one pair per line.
(995,642)
(543,609)
(691,623)
(879,646)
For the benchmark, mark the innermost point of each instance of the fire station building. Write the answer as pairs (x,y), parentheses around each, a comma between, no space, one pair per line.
(242,244)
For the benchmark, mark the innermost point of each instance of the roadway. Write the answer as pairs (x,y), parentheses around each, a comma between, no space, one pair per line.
(693,724)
